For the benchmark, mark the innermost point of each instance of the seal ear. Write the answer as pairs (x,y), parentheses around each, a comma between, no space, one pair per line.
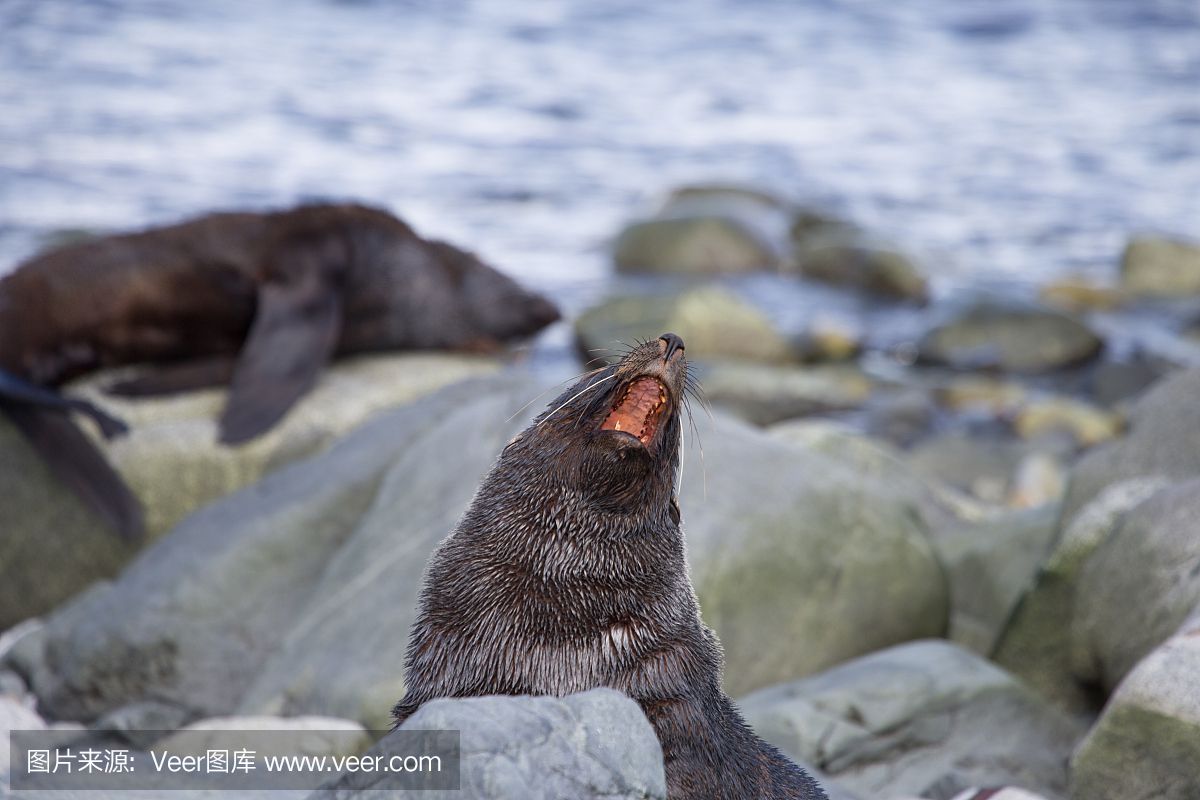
(294,333)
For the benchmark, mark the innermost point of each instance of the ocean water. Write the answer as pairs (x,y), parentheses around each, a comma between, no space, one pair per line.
(1001,142)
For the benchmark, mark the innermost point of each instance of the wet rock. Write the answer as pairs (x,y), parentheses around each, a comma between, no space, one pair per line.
(1155,265)
(1138,587)
(1040,479)
(141,723)
(924,718)
(997,793)
(829,340)
(902,417)
(53,546)
(990,566)
(764,519)
(714,322)
(709,245)
(1010,339)
(1117,382)
(1080,294)
(1163,439)
(764,394)
(1036,643)
(589,745)
(851,262)
(982,466)
(707,230)
(995,396)
(1147,741)
(15,715)
(1087,424)
(296,596)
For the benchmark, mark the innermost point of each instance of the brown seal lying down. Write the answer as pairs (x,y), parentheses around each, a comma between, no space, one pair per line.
(568,572)
(260,301)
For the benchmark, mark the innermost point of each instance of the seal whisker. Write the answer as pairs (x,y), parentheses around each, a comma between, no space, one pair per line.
(551,388)
(575,396)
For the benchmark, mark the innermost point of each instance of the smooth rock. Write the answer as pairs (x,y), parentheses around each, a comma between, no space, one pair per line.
(998,793)
(1040,479)
(847,261)
(596,744)
(15,715)
(901,417)
(972,392)
(1010,339)
(1077,293)
(1163,439)
(982,466)
(1147,741)
(764,394)
(990,566)
(1155,265)
(1036,643)
(1087,424)
(714,322)
(925,718)
(1138,587)
(141,723)
(708,229)
(827,339)
(53,546)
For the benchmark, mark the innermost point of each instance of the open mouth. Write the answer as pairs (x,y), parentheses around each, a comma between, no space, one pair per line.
(639,409)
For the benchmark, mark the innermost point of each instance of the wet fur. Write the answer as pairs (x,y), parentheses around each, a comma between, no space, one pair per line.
(568,572)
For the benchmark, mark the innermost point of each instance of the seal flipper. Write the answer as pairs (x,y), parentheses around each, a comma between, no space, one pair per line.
(77,462)
(294,333)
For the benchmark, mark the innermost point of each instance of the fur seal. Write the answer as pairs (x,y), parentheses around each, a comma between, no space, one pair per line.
(260,301)
(567,572)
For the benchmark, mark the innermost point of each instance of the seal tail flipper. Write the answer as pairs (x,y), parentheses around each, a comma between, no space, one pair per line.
(294,333)
(77,462)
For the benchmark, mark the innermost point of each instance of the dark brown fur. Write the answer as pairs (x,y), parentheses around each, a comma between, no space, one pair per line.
(257,301)
(568,572)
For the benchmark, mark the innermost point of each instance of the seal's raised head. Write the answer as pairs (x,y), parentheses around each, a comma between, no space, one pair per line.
(614,436)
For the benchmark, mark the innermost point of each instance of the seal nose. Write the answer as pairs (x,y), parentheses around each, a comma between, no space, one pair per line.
(674,343)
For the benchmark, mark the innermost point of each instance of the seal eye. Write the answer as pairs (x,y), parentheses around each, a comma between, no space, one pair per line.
(639,409)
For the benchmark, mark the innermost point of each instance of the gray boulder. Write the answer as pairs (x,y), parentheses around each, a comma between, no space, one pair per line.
(849,261)
(1147,741)
(707,230)
(714,322)
(991,565)
(924,718)
(52,546)
(1011,339)
(765,394)
(1138,587)
(596,744)
(1036,642)
(1163,439)
(1154,265)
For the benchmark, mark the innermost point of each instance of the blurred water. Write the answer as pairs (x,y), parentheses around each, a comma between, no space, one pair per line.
(1000,141)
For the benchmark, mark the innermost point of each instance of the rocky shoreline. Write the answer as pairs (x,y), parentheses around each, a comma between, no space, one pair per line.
(962,560)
